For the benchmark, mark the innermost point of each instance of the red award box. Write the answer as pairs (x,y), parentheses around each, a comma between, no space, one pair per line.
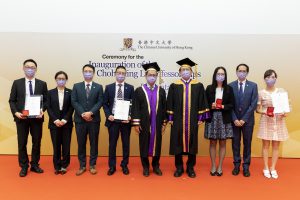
(219,103)
(25,113)
(270,111)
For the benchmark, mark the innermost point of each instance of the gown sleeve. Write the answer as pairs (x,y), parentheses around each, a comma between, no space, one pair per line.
(203,112)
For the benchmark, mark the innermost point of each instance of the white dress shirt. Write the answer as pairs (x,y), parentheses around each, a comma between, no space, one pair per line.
(61,94)
(91,83)
(219,93)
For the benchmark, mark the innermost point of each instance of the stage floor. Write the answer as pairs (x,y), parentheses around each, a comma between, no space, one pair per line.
(136,186)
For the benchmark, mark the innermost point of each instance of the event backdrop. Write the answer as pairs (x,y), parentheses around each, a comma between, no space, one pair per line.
(70,51)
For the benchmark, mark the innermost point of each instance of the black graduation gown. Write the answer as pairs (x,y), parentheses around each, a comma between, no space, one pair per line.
(140,116)
(175,108)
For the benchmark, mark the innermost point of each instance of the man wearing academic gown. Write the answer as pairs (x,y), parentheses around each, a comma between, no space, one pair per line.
(149,118)
(187,108)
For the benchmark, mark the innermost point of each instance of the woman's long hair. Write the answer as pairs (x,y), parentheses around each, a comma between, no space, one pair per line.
(214,81)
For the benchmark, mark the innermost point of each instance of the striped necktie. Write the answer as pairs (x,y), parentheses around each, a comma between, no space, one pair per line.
(120,94)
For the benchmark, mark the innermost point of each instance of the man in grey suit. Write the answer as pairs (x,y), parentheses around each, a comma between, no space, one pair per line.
(87,98)
(245,93)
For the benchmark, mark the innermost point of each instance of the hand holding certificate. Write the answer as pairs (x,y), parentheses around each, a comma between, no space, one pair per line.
(33,105)
(122,108)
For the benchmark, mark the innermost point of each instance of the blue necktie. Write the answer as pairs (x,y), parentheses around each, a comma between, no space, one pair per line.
(240,95)
(30,88)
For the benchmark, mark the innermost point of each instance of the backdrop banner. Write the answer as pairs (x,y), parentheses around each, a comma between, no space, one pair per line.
(70,51)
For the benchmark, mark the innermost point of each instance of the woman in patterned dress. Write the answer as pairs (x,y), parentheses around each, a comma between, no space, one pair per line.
(219,127)
(272,127)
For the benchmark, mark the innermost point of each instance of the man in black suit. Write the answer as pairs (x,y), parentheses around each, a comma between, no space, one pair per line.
(87,98)
(20,89)
(114,91)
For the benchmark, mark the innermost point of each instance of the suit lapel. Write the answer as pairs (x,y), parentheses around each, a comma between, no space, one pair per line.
(236,90)
(83,90)
(36,87)
(66,97)
(114,90)
(246,87)
(126,91)
(23,86)
(92,89)
(56,98)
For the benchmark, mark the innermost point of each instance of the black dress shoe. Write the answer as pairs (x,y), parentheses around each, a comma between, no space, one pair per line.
(146,172)
(236,171)
(246,172)
(111,171)
(56,172)
(191,173)
(63,171)
(23,172)
(213,173)
(36,169)
(157,171)
(125,170)
(178,172)
(219,173)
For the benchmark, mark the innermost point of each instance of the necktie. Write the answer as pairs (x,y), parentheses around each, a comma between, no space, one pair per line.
(30,88)
(240,95)
(88,90)
(119,95)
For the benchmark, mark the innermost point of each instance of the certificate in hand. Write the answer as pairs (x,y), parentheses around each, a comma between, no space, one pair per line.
(33,105)
(280,101)
(122,108)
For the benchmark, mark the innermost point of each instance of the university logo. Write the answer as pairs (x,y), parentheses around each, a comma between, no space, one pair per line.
(127,45)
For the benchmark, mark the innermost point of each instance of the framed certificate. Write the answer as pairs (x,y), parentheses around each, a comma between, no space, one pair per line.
(33,105)
(280,101)
(122,109)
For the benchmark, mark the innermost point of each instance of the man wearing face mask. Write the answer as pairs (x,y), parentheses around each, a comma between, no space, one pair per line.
(122,91)
(60,112)
(87,99)
(149,118)
(187,108)
(22,88)
(246,96)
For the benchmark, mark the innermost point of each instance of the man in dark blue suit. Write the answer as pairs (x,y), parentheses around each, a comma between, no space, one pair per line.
(87,99)
(117,90)
(245,93)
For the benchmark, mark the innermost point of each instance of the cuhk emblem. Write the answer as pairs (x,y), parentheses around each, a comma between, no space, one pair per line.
(127,43)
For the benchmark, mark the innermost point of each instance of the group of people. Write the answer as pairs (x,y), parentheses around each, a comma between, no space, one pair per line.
(226,109)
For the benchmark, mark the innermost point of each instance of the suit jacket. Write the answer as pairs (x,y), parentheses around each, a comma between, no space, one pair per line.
(109,97)
(83,104)
(18,95)
(54,111)
(249,102)
(227,101)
